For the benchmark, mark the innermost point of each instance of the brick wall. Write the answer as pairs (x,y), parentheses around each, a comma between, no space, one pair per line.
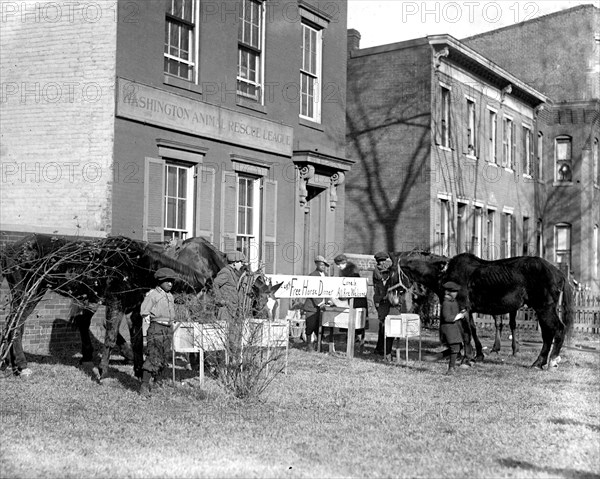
(556,54)
(388,134)
(58,70)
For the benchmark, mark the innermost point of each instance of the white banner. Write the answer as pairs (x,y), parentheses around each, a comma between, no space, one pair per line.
(318,286)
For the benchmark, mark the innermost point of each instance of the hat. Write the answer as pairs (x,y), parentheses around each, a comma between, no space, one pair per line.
(163,274)
(340,258)
(321,259)
(451,286)
(381,256)
(233,256)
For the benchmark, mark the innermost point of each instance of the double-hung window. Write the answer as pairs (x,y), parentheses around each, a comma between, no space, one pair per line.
(180,39)
(492,128)
(446,133)
(527,153)
(250,50)
(508,143)
(310,72)
(248,216)
(562,154)
(562,243)
(471,128)
(179,200)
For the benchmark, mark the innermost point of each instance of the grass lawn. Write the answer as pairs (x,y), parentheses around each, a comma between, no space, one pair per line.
(328,417)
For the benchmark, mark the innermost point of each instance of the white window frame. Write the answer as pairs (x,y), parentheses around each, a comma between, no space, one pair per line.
(559,162)
(249,242)
(490,232)
(471,127)
(193,41)
(444,206)
(527,145)
(310,72)
(596,161)
(595,248)
(508,142)
(179,231)
(540,156)
(559,254)
(508,217)
(445,116)
(251,50)
(477,240)
(492,136)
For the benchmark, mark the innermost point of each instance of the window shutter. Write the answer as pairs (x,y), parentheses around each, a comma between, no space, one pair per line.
(228,211)
(205,187)
(269,219)
(154,200)
(437,205)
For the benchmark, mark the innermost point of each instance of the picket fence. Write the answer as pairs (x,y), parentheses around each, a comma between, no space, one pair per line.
(586,316)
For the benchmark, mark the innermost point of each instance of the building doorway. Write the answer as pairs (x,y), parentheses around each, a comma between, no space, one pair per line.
(314,228)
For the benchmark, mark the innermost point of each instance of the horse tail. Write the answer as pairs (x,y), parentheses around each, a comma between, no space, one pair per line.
(568,313)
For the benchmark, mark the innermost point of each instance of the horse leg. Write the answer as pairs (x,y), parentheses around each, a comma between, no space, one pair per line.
(466,334)
(478,348)
(499,324)
(547,337)
(137,342)
(83,319)
(513,327)
(558,339)
(114,314)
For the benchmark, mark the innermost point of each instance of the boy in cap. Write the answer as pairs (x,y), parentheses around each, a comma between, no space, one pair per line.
(450,330)
(312,306)
(158,313)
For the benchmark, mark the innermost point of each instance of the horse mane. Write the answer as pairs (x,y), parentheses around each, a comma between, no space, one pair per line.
(215,258)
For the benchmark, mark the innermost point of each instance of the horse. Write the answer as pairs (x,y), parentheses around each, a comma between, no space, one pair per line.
(412,268)
(116,271)
(505,285)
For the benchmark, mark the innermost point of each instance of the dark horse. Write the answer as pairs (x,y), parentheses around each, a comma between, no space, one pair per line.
(505,285)
(116,271)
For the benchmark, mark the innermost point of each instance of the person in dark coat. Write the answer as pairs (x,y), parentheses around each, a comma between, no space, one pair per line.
(227,296)
(350,270)
(450,329)
(381,275)
(158,312)
(312,306)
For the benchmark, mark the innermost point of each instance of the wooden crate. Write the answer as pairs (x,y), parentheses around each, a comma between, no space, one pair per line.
(191,337)
(267,334)
(338,318)
(402,325)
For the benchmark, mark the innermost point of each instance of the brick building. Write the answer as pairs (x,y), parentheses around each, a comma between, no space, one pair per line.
(458,151)
(156,120)
(559,55)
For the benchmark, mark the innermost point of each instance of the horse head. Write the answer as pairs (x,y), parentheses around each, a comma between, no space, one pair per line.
(414,270)
(263,292)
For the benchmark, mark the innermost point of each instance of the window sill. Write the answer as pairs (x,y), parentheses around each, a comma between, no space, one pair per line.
(510,170)
(181,83)
(562,183)
(250,104)
(310,124)
(491,163)
(471,157)
(444,148)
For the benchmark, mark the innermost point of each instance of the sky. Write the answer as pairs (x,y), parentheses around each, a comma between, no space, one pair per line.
(388,21)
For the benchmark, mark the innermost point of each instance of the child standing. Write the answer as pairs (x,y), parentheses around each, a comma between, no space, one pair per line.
(450,330)
(158,309)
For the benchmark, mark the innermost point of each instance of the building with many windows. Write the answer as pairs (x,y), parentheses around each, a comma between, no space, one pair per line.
(457,152)
(159,120)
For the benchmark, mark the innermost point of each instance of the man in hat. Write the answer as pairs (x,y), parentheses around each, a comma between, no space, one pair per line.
(381,275)
(226,286)
(312,306)
(158,314)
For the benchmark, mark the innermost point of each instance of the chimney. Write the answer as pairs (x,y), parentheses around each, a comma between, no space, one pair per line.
(353,40)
